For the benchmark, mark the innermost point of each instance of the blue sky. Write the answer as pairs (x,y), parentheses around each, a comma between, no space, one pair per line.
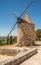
(8,7)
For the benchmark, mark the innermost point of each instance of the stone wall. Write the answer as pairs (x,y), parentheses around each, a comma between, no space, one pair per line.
(8,52)
(25,32)
(19,58)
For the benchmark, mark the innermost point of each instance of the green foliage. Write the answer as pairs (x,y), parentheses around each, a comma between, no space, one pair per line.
(11,40)
(7,39)
(38,34)
(1,42)
(15,39)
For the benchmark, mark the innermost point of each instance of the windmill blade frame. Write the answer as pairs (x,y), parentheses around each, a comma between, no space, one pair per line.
(12,29)
(20,16)
(15,14)
(26,8)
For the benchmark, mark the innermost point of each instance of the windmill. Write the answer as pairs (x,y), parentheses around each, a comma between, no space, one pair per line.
(25,29)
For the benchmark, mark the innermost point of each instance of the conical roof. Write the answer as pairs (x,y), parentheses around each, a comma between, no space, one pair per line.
(26,18)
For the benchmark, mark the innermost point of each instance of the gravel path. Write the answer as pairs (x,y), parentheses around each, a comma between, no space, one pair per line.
(4,57)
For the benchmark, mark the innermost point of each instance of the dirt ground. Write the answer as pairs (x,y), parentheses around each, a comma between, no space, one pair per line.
(37,42)
(15,45)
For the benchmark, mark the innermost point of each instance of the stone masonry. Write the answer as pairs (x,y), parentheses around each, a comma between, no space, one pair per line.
(25,31)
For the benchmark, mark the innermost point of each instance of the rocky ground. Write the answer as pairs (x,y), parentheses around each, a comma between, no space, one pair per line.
(36,59)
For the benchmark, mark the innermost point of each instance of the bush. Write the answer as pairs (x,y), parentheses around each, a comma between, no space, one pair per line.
(15,39)
(1,42)
(38,34)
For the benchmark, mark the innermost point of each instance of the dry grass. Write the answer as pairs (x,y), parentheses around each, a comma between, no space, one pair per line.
(15,45)
(38,42)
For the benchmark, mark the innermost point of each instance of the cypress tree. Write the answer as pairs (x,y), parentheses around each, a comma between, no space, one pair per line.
(7,39)
(11,40)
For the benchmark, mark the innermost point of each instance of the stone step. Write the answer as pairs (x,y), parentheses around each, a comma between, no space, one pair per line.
(19,58)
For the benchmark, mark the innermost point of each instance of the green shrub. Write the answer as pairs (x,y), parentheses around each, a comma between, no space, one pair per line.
(1,42)
(15,40)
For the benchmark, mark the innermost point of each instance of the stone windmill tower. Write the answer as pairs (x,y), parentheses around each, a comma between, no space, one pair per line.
(25,29)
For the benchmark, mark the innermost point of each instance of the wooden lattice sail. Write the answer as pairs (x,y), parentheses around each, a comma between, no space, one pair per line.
(25,31)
